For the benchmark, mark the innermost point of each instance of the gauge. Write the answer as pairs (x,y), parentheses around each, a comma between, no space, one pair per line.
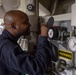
(53,33)
(50,33)
(72,44)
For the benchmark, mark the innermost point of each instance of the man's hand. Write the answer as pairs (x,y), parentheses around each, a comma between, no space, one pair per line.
(44,30)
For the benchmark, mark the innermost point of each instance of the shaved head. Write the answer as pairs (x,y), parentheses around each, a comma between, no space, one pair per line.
(10,16)
(16,22)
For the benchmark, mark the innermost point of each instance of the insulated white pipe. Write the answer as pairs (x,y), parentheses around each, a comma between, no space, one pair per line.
(10,4)
(7,5)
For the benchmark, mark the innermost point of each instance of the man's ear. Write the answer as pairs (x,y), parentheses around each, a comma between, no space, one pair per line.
(13,26)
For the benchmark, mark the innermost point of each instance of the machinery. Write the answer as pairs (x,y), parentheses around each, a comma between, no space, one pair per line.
(59,34)
(62,34)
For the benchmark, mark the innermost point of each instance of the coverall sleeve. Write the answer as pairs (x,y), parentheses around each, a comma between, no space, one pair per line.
(24,63)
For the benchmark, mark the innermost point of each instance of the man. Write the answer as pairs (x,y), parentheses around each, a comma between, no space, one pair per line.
(14,61)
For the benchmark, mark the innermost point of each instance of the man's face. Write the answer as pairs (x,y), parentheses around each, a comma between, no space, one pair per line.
(23,25)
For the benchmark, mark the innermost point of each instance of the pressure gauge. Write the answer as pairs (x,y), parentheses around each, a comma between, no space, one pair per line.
(72,44)
(53,33)
(50,33)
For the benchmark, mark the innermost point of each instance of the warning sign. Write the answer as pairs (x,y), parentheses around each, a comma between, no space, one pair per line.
(65,54)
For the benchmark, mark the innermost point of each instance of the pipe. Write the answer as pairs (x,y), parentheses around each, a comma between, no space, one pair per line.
(55,4)
(10,4)
(43,11)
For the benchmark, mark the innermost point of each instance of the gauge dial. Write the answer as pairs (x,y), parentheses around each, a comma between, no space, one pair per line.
(50,33)
(72,44)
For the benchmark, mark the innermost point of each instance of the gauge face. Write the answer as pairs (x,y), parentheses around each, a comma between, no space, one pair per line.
(50,33)
(72,44)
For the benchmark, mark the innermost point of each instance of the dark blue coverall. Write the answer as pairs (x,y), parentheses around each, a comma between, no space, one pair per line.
(14,61)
